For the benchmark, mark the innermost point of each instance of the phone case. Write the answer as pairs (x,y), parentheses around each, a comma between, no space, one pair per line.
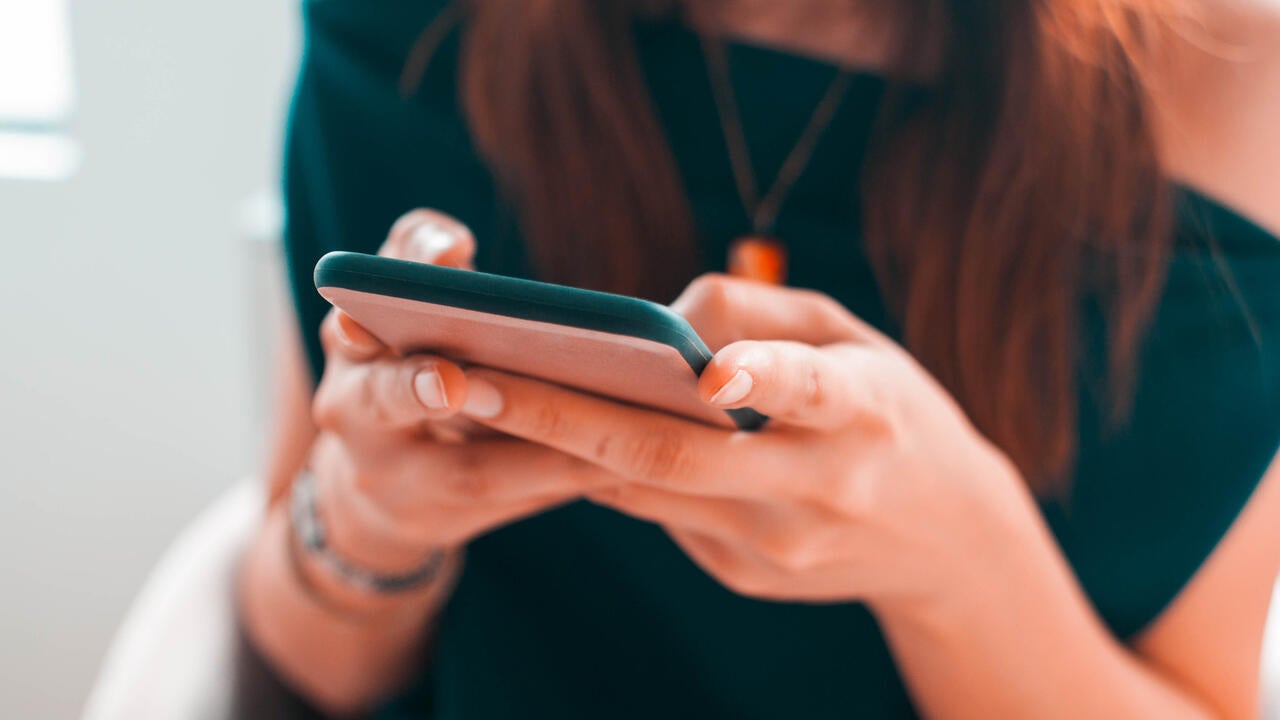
(610,345)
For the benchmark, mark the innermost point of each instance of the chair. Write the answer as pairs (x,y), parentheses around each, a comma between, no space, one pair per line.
(179,654)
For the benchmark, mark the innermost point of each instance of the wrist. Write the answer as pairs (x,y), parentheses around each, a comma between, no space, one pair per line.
(358,601)
(356,566)
(1017,583)
(273,573)
(358,531)
(1002,552)
(339,658)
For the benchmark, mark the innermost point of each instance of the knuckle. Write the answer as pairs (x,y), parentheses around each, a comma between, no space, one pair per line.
(322,413)
(824,305)
(604,447)
(329,456)
(887,426)
(353,396)
(725,565)
(818,300)
(744,583)
(386,396)
(366,482)
(706,303)
(326,411)
(361,477)
(397,388)
(857,498)
(709,291)
(373,396)
(705,283)
(469,480)
(828,306)
(473,486)
(814,396)
(790,551)
(661,454)
(882,418)
(549,421)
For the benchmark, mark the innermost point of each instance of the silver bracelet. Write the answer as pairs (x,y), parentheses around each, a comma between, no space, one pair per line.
(310,534)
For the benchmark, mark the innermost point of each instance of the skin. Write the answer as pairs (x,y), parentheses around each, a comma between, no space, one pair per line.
(921,537)
(372,437)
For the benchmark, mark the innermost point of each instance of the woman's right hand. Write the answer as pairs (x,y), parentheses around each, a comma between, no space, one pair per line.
(399,475)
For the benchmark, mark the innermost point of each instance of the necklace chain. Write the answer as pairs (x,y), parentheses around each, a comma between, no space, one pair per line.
(763,212)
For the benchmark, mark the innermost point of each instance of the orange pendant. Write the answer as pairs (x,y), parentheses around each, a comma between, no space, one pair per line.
(758,257)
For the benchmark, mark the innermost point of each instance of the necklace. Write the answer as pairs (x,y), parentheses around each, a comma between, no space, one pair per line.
(761,255)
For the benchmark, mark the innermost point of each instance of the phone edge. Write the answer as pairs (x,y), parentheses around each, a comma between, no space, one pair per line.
(538,302)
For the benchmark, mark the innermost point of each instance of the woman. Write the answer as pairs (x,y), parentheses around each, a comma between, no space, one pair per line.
(1024,376)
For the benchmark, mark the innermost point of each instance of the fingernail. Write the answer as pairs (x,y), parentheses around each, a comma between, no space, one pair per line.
(430,241)
(352,334)
(483,399)
(734,390)
(429,387)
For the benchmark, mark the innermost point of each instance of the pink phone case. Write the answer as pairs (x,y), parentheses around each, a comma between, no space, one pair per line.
(623,367)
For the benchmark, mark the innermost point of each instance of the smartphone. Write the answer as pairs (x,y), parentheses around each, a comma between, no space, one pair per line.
(614,346)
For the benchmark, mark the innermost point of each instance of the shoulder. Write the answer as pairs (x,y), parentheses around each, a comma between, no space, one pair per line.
(1154,497)
(1216,90)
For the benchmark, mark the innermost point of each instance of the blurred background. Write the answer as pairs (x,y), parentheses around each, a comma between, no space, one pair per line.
(139,154)
(140,287)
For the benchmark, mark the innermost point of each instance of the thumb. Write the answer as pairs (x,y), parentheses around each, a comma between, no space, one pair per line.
(802,385)
(429,236)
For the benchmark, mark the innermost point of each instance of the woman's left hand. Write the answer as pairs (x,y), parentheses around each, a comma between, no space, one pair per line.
(868,483)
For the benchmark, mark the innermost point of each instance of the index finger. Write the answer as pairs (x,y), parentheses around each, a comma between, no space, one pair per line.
(723,309)
(388,394)
(643,445)
(341,334)
(430,236)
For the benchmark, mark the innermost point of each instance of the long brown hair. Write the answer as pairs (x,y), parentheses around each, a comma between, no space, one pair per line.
(1023,189)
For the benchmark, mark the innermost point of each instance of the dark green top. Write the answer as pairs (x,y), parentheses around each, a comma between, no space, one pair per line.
(584,613)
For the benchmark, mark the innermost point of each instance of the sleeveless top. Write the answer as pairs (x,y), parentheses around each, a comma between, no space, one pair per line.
(584,613)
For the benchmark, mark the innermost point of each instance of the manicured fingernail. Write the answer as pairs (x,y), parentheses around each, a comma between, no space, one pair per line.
(352,334)
(429,387)
(734,390)
(430,241)
(483,399)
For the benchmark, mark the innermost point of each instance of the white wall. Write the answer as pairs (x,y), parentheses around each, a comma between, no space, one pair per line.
(127,367)
(130,344)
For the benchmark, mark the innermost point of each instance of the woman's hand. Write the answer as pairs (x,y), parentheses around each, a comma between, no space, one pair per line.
(867,484)
(400,474)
